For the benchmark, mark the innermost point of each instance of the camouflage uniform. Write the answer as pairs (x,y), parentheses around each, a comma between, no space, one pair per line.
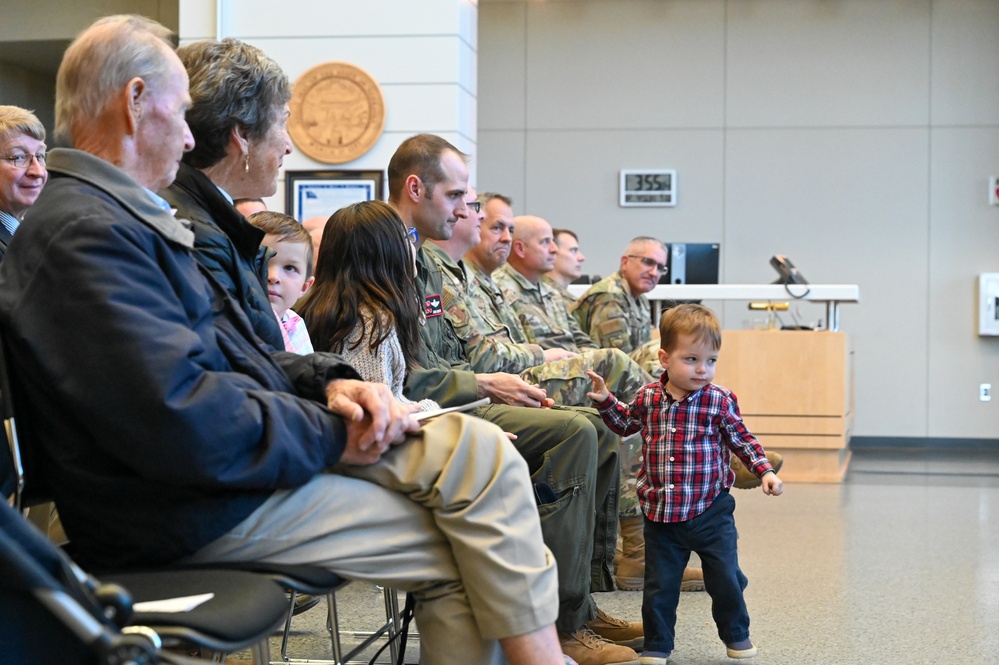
(553,443)
(567,297)
(545,320)
(541,312)
(494,343)
(613,318)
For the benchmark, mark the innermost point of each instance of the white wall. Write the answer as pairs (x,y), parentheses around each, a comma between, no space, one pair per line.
(854,136)
(422,54)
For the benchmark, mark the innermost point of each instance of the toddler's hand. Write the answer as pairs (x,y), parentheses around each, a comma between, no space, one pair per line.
(600,393)
(771,484)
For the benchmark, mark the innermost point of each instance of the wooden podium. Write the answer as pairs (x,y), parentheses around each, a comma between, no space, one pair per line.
(795,391)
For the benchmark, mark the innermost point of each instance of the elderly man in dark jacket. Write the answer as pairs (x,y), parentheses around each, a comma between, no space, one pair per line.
(170,432)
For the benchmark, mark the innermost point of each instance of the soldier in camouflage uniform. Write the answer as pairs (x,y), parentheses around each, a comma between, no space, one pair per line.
(494,343)
(556,285)
(568,456)
(544,320)
(615,313)
(568,263)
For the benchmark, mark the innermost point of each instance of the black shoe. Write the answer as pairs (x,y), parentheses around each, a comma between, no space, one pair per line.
(305,602)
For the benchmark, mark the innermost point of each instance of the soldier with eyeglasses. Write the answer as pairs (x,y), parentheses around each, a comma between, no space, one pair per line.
(22,168)
(614,312)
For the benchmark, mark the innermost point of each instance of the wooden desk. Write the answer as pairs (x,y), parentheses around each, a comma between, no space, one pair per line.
(795,391)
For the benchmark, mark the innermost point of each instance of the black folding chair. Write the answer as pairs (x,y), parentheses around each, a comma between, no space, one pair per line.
(52,612)
(244,607)
(211,630)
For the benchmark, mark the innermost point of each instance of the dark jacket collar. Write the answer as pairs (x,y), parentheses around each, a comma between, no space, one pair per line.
(122,187)
(245,236)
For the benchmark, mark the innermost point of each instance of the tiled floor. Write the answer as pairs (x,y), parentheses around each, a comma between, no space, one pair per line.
(897,565)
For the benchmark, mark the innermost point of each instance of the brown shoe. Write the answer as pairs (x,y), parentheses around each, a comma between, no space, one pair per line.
(630,561)
(618,631)
(746,479)
(693,580)
(587,648)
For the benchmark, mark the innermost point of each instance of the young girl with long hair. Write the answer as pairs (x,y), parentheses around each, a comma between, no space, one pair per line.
(364,304)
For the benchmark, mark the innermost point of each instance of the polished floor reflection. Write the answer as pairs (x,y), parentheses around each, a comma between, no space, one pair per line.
(897,565)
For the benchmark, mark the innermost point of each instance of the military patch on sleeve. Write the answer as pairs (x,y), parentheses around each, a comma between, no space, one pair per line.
(433,305)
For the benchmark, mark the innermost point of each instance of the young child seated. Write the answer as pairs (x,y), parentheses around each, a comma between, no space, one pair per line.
(289,273)
(364,304)
(689,426)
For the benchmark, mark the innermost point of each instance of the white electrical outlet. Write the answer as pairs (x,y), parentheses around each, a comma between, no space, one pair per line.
(985,392)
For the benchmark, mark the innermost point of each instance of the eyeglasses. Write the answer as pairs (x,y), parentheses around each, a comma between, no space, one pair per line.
(474,206)
(650,263)
(24,161)
(411,234)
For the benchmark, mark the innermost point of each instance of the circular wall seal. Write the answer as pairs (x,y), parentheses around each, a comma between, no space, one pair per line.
(337,112)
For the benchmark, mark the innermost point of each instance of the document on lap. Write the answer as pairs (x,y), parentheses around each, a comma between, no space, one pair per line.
(426,415)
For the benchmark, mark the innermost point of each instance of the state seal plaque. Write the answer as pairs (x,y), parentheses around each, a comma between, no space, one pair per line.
(337,112)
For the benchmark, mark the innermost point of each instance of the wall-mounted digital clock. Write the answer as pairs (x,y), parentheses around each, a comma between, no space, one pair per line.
(648,187)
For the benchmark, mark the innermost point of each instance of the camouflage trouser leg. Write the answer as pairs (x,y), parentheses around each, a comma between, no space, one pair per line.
(647,356)
(631,463)
(566,382)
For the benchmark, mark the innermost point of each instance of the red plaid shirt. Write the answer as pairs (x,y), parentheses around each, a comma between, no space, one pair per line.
(685,447)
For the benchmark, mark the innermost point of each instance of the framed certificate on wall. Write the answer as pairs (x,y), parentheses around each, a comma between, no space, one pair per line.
(310,194)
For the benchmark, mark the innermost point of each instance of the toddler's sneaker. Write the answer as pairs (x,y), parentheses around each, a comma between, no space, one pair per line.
(742,649)
(655,658)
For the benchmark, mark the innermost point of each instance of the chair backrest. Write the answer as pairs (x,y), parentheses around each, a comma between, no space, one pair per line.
(20,466)
(12,476)
(48,613)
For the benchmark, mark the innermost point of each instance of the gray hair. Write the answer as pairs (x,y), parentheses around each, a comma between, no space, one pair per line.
(643,240)
(15,121)
(232,84)
(486,197)
(101,61)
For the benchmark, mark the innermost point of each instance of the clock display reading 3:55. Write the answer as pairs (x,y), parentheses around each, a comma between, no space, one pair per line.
(648,187)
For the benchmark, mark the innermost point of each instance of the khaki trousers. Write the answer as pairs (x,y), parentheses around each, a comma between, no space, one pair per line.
(449,515)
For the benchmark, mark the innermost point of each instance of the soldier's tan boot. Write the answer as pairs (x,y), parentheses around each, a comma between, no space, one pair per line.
(587,648)
(629,563)
(746,479)
(693,579)
(630,560)
(620,632)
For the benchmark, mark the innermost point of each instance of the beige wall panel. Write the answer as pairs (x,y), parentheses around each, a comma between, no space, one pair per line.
(502,103)
(964,242)
(847,206)
(843,63)
(613,65)
(500,164)
(320,18)
(383,58)
(965,85)
(197,19)
(572,179)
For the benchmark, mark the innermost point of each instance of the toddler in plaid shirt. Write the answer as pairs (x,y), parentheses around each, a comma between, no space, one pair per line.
(689,426)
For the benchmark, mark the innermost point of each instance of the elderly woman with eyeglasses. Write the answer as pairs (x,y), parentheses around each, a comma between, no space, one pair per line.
(22,171)
(238,116)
